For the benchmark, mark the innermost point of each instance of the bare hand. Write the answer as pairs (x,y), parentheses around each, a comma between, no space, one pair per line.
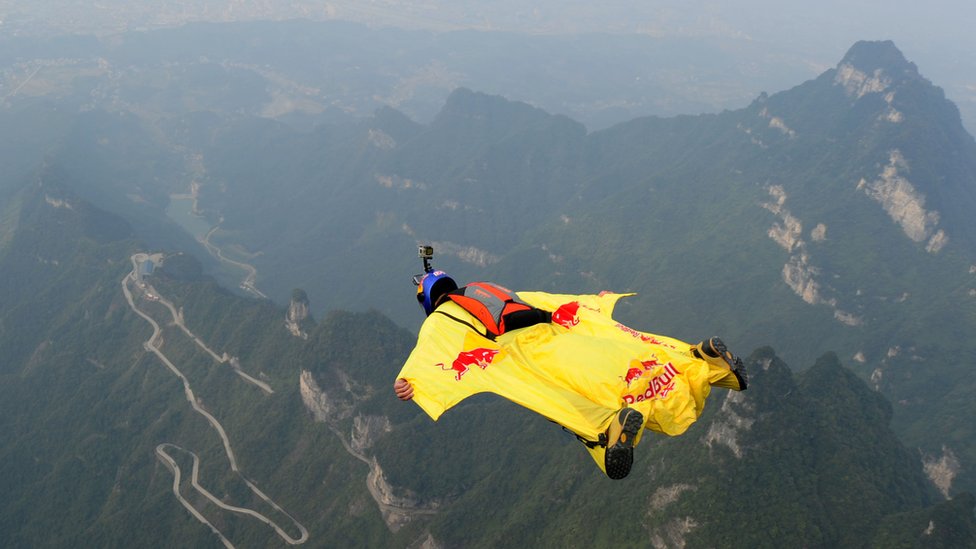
(403,389)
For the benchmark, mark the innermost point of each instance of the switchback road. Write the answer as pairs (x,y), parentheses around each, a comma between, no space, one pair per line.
(153,345)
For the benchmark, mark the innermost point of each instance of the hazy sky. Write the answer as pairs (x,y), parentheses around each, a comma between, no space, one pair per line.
(934,21)
(826,24)
(938,35)
(923,26)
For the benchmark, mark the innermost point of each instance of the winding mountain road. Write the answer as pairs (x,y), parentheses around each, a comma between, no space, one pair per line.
(222,359)
(252,273)
(153,345)
(195,482)
(177,477)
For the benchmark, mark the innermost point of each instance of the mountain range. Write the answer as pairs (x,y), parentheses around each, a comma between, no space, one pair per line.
(826,226)
(832,216)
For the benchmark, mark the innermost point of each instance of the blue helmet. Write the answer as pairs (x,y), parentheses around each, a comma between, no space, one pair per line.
(432,287)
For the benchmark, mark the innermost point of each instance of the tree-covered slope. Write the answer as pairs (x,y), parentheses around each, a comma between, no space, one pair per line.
(833,216)
(829,221)
(782,464)
(88,412)
(98,418)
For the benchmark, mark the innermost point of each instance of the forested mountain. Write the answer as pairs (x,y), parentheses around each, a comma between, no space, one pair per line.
(91,419)
(106,424)
(832,216)
(827,225)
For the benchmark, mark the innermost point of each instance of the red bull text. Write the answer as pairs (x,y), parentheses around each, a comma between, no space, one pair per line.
(644,337)
(658,386)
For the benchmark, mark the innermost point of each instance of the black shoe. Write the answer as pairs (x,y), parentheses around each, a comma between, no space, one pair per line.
(620,442)
(715,348)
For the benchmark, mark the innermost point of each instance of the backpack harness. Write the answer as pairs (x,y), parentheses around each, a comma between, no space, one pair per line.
(498,309)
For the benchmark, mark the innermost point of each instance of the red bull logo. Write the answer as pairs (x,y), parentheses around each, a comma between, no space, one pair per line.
(480,357)
(658,386)
(567,315)
(635,373)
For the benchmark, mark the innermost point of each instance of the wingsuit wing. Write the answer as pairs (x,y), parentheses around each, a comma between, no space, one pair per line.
(577,371)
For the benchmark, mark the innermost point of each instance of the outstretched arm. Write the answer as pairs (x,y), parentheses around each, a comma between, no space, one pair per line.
(403,389)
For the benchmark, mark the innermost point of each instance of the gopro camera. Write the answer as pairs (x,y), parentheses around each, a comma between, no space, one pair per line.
(426,253)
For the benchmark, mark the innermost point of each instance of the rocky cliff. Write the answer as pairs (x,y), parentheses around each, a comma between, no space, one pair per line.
(298,313)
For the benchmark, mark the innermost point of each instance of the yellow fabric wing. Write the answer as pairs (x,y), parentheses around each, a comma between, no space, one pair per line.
(577,371)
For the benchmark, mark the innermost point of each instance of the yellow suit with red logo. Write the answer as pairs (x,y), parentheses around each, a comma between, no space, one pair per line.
(578,370)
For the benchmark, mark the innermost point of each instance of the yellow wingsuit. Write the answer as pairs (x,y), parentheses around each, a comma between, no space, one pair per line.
(578,370)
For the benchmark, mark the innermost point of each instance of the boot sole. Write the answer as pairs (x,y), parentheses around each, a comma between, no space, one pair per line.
(735,363)
(717,346)
(620,457)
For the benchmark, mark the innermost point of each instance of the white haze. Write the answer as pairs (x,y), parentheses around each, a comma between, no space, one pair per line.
(937,35)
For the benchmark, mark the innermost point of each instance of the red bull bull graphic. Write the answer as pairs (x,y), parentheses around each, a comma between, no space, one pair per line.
(567,315)
(633,374)
(638,369)
(480,357)
(658,386)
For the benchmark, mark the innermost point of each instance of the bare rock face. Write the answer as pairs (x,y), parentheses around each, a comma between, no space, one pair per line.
(673,533)
(857,83)
(315,399)
(397,505)
(799,272)
(873,67)
(725,431)
(297,313)
(365,429)
(397,509)
(666,495)
(904,204)
(942,470)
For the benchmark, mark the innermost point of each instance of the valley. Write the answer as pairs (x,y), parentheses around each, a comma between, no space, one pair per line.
(258,191)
